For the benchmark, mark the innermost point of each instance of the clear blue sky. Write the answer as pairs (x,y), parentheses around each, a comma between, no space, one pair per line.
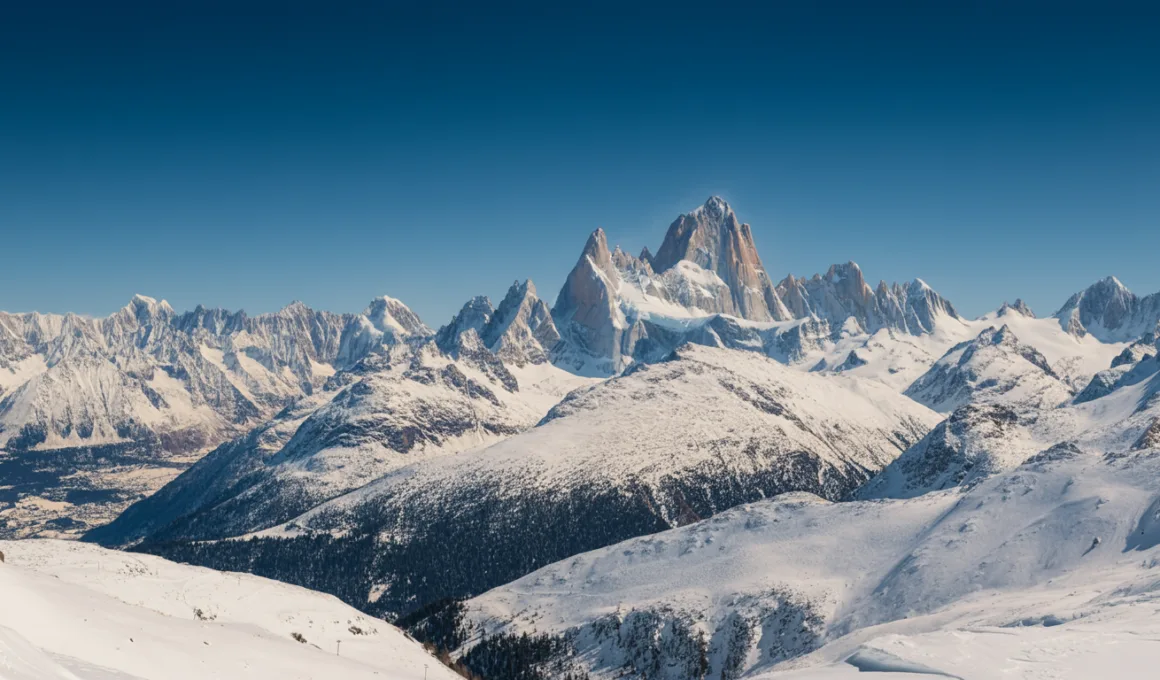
(246,154)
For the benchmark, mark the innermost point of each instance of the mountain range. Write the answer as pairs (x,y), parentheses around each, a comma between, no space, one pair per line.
(550,486)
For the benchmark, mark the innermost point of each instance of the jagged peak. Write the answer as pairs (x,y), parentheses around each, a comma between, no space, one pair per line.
(143,306)
(518,291)
(596,248)
(297,306)
(919,285)
(645,255)
(1112,282)
(847,270)
(477,302)
(714,206)
(388,314)
(1018,307)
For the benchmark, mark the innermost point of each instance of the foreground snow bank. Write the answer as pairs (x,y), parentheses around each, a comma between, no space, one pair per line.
(78,611)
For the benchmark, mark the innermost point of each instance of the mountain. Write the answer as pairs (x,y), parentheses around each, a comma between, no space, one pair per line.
(78,611)
(711,238)
(663,445)
(117,406)
(994,367)
(1110,312)
(707,278)
(1050,561)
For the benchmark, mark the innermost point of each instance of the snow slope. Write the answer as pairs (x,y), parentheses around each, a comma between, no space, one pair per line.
(75,611)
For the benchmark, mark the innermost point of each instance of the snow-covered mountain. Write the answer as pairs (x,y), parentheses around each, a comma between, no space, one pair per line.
(1111,312)
(185,379)
(994,367)
(1129,366)
(663,445)
(74,611)
(1055,550)
(978,441)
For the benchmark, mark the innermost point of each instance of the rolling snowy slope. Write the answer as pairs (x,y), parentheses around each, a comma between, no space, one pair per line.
(74,611)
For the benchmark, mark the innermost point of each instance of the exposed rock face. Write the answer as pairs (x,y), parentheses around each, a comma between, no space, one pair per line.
(713,239)
(587,309)
(1110,312)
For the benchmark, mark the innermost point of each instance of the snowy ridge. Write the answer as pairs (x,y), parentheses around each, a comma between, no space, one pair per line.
(195,376)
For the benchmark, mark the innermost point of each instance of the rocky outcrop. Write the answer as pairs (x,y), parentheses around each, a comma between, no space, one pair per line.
(474,316)
(1018,307)
(960,449)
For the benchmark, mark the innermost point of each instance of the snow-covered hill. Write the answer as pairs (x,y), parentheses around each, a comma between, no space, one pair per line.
(664,445)
(78,612)
(1058,553)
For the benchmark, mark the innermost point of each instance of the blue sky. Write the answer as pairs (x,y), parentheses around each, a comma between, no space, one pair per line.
(247,154)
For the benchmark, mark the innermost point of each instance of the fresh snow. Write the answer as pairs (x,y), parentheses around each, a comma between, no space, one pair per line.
(73,611)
